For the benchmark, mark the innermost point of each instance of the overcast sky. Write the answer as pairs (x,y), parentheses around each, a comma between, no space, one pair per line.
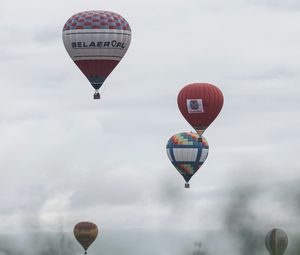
(65,158)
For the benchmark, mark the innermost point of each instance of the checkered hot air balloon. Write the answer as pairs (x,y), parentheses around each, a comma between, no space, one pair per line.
(200,104)
(187,153)
(96,41)
(85,233)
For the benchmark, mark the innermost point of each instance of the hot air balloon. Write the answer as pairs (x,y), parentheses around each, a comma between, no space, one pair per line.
(187,153)
(276,241)
(85,233)
(96,41)
(200,104)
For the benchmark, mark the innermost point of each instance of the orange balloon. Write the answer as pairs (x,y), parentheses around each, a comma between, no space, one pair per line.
(85,233)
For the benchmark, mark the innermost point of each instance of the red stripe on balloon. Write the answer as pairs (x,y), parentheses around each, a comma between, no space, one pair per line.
(101,68)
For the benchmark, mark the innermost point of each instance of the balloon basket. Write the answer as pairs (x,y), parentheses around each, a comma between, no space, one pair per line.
(97,95)
(187,185)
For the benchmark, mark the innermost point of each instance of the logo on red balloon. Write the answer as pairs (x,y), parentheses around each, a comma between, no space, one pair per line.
(194,105)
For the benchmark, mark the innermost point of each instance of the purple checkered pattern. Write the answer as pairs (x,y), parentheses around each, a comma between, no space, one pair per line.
(96,20)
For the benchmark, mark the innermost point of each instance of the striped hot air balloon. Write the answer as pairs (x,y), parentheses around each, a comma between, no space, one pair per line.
(276,241)
(96,41)
(187,153)
(85,233)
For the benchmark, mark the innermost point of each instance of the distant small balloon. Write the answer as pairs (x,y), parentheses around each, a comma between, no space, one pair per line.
(85,233)
(276,241)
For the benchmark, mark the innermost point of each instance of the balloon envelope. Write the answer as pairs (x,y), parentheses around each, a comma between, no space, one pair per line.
(85,233)
(276,241)
(200,104)
(187,153)
(96,41)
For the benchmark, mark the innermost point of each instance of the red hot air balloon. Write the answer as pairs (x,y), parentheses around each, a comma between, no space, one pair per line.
(96,41)
(200,104)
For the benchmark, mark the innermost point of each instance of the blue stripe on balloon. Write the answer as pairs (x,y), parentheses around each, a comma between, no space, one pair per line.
(172,145)
(172,155)
(199,153)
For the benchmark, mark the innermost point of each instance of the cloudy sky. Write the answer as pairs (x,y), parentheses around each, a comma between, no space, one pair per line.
(65,158)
